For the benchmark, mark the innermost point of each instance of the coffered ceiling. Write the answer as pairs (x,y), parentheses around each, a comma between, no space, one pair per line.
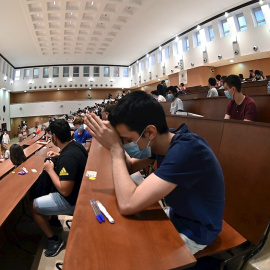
(111,32)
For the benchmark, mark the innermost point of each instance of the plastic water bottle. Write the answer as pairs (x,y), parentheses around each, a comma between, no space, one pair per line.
(268,87)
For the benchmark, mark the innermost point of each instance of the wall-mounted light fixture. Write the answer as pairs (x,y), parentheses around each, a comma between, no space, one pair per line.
(255,48)
(70,79)
(192,64)
(5,78)
(219,56)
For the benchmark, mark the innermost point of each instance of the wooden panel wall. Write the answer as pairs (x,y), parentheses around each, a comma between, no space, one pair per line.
(199,76)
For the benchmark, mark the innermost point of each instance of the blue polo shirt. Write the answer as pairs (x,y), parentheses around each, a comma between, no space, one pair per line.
(83,137)
(197,202)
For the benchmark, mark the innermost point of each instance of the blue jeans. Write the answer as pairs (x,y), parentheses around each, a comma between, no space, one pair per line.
(53,204)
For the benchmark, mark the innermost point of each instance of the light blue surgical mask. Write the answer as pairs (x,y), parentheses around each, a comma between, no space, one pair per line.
(170,96)
(228,95)
(134,151)
(81,127)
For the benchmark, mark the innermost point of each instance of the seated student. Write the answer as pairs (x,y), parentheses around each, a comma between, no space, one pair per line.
(66,178)
(81,135)
(5,150)
(258,76)
(157,96)
(177,104)
(188,175)
(181,89)
(17,155)
(212,92)
(218,82)
(251,74)
(37,130)
(240,107)
(241,76)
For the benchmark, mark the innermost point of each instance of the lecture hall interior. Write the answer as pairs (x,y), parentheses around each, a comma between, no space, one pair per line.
(58,56)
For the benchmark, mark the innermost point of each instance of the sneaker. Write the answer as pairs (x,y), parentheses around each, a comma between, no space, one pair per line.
(53,247)
(55,223)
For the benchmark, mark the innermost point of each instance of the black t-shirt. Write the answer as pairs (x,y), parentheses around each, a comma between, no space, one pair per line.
(70,167)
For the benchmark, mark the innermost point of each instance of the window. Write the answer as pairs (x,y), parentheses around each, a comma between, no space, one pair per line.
(211,33)
(159,56)
(65,71)
(86,71)
(76,71)
(142,65)
(259,16)
(125,72)
(17,75)
(133,70)
(116,72)
(153,59)
(198,38)
(106,72)
(225,28)
(36,73)
(55,72)
(26,74)
(167,52)
(147,63)
(96,71)
(186,44)
(241,22)
(4,67)
(175,48)
(45,72)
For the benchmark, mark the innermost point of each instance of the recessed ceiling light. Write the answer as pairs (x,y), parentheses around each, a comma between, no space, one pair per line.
(231,60)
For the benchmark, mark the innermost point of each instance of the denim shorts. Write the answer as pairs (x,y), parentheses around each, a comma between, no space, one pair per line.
(53,204)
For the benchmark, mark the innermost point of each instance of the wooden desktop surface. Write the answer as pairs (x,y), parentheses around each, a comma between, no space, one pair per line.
(147,240)
(5,167)
(30,150)
(46,148)
(32,139)
(14,186)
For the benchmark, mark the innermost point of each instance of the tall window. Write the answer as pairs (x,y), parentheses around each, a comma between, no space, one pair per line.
(26,74)
(96,71)
(76,71)
(65,71)
(241,22)
(259,16)
(106,71)
(55,72)
(36,73)
(159,56)
(125,72)
(198,38)
(45,72)
(147,62)
(86,71)
(211,33)
(153,59)
(167,52)
(142,65)
(225,28)
(17,75)
(175,48)
(116,72)
(186,44)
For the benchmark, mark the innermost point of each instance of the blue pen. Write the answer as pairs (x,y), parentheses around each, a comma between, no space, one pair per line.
(99,216)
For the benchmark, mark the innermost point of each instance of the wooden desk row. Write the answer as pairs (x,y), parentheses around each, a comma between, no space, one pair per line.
(32,139)
(147,240)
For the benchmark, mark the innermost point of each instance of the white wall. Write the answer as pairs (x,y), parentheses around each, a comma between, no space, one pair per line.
(4,101)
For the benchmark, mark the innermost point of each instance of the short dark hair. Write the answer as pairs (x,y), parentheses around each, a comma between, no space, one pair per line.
(241,76)
(78,121)
(257,72)
(251,70)
(173,89)
(155,92)
(17,155)
(234,80)
(218,77)
(137,110)
(182,84)
(223,78)
(61,129)
(212,81)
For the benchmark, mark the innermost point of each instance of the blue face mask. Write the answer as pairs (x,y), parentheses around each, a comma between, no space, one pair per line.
(81,127)
(170,96)
(228,95)
(134,151)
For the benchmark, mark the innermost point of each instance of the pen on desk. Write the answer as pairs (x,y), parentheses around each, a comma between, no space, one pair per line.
(98,211)
(99,216)
(105,212)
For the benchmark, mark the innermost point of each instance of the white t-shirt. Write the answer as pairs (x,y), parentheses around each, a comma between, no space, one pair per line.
(176,105)
(5,139)
(212,92)
(161,98)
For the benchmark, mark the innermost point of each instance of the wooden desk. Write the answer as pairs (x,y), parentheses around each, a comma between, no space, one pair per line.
(30,150)
(147,240)
(46,148)
(32,139)
(13,187)
(5,167)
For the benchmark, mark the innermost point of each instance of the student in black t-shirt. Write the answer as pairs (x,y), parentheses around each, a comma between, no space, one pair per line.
(66,178)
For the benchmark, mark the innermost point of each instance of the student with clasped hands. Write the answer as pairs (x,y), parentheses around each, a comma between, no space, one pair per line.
(188,177)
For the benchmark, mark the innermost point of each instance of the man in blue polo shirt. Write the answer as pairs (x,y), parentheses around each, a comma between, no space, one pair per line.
(81,135)
(189,175)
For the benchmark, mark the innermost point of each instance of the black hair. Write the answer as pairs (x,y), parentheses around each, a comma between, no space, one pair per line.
(108,108)
(137,110)
(61,129)
(212,81)
(257,72)
(241,76)
(234,80)
(182,84)
(218,77)
(17,155)
(155,92)
(173,89)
